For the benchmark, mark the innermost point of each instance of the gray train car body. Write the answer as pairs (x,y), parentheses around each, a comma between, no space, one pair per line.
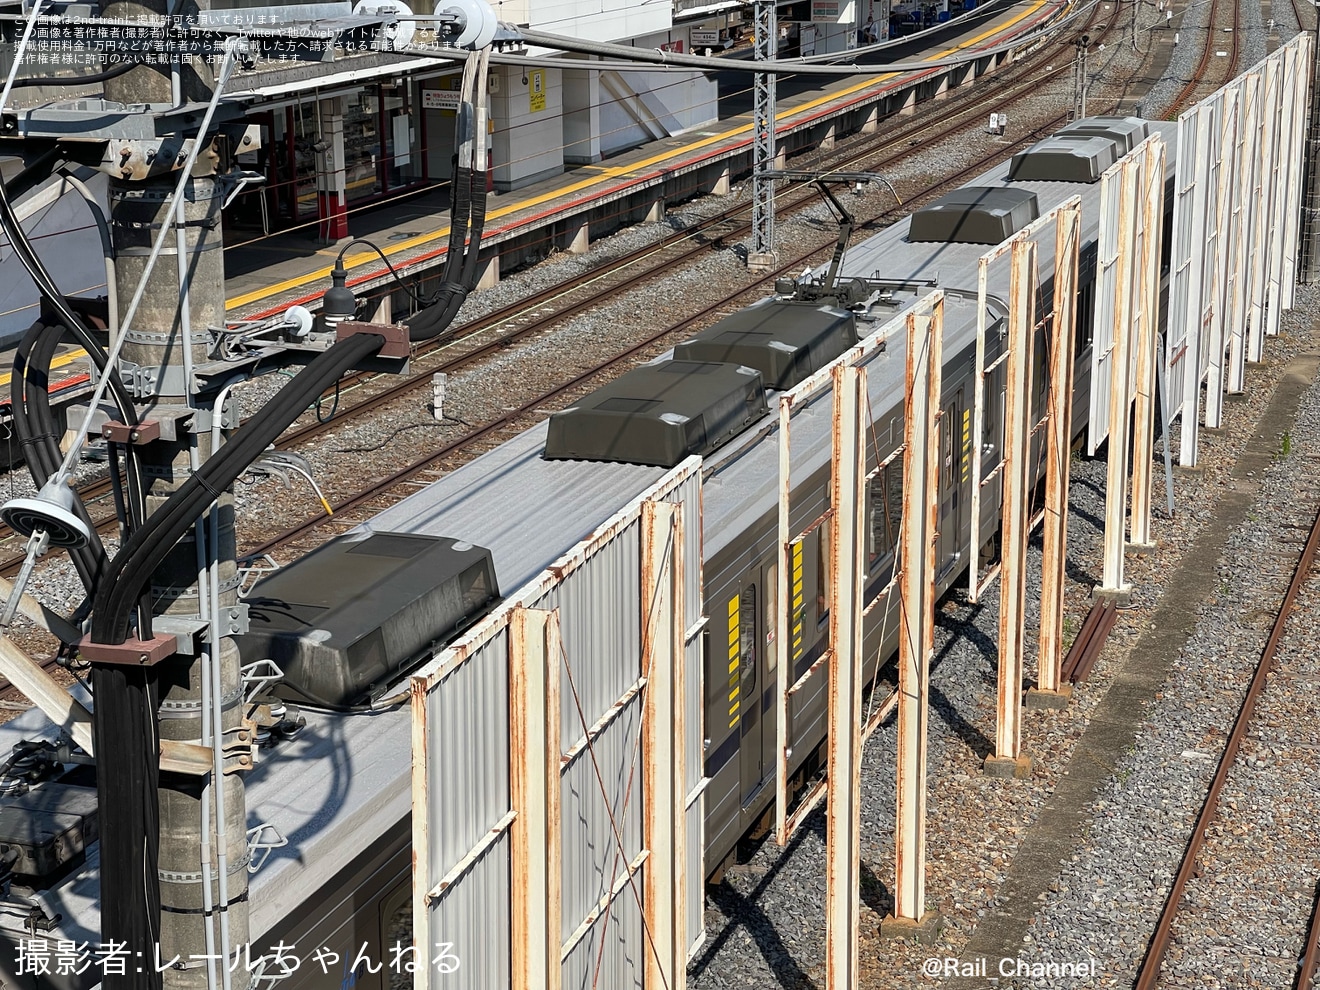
(339,793)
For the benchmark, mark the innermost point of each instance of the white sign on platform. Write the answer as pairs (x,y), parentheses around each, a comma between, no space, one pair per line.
(440,99)
(702,38)
(825,11)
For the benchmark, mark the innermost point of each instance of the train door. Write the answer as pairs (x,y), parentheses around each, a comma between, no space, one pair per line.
(770,668)
(955,474)
(744,695)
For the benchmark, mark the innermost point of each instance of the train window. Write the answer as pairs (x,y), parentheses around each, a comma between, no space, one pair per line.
(886,502)
(747,637)
(992,422)
(948,424)
(1085,317)
(771,619)
(1039,375)
(823,572)
(396,929)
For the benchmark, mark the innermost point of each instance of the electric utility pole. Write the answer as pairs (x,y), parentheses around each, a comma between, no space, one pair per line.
(202,854)
(762,256)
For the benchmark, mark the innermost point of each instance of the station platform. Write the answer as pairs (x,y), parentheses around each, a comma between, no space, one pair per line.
(568,210)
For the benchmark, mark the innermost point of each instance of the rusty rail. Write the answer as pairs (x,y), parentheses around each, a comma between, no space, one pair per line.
(1199,75)
(1311,950)
(1090,641)
(709,232)
(1159,943)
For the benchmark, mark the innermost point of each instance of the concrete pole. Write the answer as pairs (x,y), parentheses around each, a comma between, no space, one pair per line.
(185,295)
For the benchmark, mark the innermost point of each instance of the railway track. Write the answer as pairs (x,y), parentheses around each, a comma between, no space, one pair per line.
(498,330)
(1306,23)
(657,341)
(1149,974)
(1197,83)
(1310,964)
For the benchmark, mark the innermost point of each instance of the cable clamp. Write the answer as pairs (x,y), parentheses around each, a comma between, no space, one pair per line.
(252,569)
(147,431)
(396,343)
(131,652)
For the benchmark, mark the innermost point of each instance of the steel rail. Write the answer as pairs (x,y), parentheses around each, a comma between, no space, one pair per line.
(1090,641)
(523,308)
(1160,941)
(1311,949)
(1180,102)
(968,102)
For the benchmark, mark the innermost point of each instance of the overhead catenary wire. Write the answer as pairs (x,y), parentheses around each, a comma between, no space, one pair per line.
(627,57)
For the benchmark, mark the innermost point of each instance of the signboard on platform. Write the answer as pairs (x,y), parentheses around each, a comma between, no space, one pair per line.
(536,90)
(701,38)
(439,99)
(825,11)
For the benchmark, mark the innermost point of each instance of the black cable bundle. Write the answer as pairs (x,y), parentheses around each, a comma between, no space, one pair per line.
(32,175)
(454,287)
(127,779)
(467,223)
(34,425)
(128,574)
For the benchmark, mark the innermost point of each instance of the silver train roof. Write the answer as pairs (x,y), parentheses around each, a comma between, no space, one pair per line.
(349,775)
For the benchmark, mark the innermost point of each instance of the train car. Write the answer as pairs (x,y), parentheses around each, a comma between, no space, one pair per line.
(329,804)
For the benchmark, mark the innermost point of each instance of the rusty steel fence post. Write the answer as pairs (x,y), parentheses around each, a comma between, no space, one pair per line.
(1120,376)
(664,826)
(1058,400)
(1147,292)
(534,835)
(1007,758)
(924,382)
(847,565)
(1226,137)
